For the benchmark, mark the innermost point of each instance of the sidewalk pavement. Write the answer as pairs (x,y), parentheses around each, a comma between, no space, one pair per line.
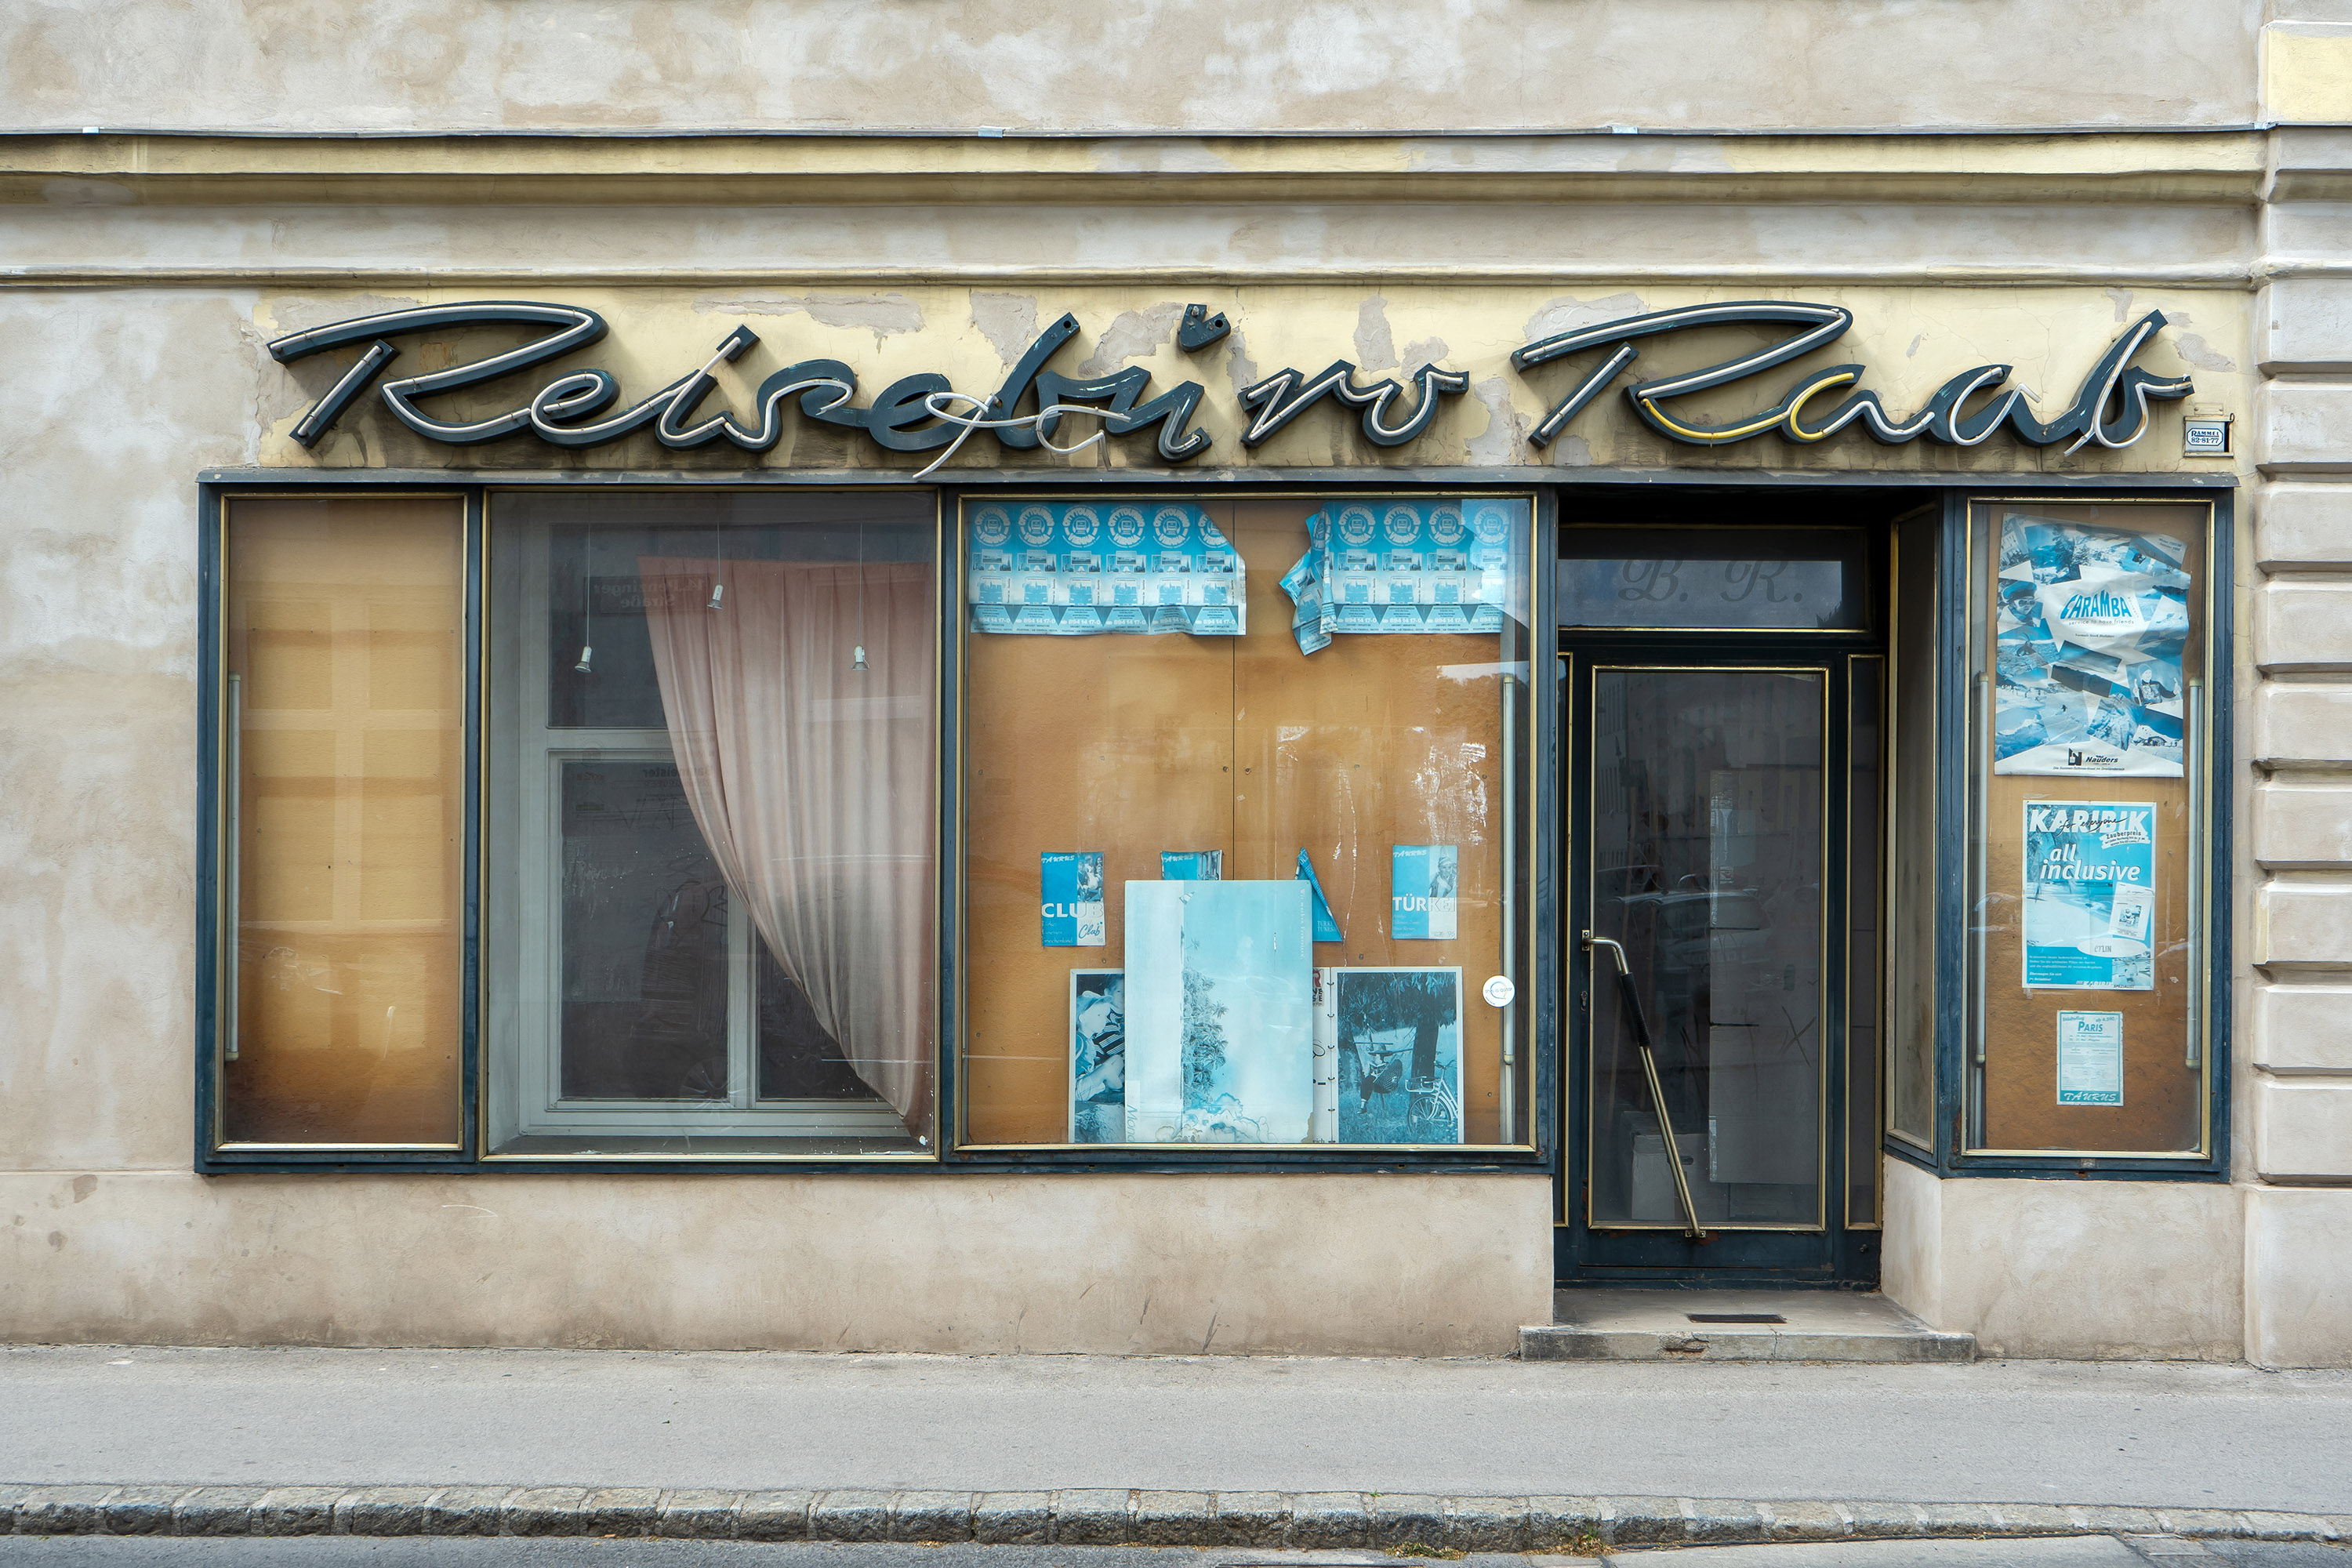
(1627,1444)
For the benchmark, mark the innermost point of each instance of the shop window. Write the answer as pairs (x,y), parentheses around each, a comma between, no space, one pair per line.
(1911,748)
(711,812)
(337,988)
(1866,945)
(1245,822)
(2089,828)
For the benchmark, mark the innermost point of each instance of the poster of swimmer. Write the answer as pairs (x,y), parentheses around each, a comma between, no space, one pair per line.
(2090,894)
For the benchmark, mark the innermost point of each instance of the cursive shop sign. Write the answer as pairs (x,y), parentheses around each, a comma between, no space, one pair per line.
(926,413)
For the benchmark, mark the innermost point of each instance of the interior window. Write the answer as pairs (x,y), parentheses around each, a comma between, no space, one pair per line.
(711,813)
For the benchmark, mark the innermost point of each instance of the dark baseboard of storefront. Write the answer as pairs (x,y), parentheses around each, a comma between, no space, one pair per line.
(1403,1524)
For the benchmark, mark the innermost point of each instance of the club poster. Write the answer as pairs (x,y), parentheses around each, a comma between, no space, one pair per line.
(1192,865)
(1070,887)
(2089,904)
(1098,1056)
(1059,569)
(1422,881)
(2090,630)
(1402,567)
(1220,1012)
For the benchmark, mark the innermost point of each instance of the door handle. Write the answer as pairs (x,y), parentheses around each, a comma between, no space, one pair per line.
(1640,1024)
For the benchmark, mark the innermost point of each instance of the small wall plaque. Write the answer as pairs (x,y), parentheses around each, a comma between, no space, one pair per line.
(2205,435)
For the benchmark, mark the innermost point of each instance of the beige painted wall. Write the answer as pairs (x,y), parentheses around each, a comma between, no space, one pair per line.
(153,369)
(428,65)
(2076,1270)
(1114,1265)
(2298,1276)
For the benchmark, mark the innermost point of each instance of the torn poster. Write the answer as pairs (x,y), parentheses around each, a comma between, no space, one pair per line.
(1397,566)
(2090,630)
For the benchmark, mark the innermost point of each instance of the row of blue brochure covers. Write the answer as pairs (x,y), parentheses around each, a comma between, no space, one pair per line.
(1391,567)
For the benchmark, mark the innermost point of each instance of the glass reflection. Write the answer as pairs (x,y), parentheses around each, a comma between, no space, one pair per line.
(1707,866)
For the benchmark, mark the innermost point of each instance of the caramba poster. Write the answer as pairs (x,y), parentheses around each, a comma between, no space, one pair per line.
(2090,894)
(1083,569)
(2088,667)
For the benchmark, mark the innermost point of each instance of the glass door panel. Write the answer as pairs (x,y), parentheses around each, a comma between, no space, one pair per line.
(1707,842)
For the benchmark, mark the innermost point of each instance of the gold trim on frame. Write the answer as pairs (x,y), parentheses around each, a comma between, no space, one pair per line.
(1821,1071)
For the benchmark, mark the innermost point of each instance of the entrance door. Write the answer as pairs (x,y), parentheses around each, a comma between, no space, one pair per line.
(1711,920)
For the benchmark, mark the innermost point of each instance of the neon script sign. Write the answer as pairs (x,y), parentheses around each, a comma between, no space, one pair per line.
(925,413)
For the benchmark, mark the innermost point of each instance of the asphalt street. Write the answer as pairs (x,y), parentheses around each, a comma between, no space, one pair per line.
(2152,1434)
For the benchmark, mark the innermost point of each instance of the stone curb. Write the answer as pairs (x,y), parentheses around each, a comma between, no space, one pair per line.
(1091,1518)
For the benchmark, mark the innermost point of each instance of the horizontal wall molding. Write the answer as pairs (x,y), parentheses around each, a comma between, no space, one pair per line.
(2228,166)
(1698,274)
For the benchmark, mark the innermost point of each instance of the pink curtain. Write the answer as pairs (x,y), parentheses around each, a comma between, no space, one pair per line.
(815,783)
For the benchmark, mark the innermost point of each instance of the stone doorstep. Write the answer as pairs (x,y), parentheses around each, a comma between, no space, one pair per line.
(1740,1341)
(1093,1516)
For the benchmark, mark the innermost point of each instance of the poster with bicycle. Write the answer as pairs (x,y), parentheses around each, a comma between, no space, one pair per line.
(1388,1055)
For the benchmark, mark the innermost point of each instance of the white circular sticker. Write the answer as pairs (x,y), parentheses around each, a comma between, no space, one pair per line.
(1499,991)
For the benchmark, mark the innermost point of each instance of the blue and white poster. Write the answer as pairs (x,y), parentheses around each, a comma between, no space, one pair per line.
(1070,889)
(1098,1056)
(1192,865)
(1402,567)
(2090,1058)
(1393,1041)
(2088,667)
(2089,902)
(1065,569)
(1422,880)
(1220,1012)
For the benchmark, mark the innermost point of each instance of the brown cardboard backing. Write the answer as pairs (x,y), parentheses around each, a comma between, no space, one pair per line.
(1133,745)
(2163,1106)
(346,624)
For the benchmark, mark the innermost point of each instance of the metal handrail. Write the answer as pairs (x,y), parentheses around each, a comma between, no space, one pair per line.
(1632,1000)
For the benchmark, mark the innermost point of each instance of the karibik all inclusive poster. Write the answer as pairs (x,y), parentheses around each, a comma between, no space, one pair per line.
(2090,894)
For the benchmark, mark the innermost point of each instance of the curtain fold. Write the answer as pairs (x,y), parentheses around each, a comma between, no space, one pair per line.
(815,782)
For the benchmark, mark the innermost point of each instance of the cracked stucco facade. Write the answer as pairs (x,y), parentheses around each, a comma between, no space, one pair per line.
(2009,181)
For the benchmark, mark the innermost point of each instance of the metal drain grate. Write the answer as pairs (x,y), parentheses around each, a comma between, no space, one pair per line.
(1735,1317)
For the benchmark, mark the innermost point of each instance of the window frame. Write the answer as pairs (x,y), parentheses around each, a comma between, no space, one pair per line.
(1958,756)
(1967,770)
(537,752)
(1540,1034)
(1534,926)
(212,886)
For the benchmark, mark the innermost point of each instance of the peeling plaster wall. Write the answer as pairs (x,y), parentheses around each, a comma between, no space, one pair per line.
(446,65)
(119,395)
